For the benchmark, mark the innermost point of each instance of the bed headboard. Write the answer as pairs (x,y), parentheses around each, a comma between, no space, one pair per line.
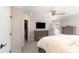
(69,30)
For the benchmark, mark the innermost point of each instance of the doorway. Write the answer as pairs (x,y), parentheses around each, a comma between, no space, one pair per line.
(26,31)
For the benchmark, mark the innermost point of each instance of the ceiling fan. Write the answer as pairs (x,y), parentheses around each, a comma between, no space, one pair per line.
(54,12)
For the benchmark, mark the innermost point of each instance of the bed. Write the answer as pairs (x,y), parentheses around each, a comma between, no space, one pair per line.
(59,44)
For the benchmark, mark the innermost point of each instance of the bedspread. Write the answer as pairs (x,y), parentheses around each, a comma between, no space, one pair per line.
(59,43)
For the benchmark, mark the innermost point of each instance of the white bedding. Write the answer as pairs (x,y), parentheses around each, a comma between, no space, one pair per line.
(59,43)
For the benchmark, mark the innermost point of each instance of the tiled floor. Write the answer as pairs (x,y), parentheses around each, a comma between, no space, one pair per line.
(30,47)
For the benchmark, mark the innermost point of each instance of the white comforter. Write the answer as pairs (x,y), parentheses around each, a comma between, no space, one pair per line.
(59,43)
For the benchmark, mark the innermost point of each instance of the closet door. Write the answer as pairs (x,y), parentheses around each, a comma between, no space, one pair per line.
(5,29)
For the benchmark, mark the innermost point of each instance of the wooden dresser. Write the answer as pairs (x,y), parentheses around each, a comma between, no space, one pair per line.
(38,34)
(69,30)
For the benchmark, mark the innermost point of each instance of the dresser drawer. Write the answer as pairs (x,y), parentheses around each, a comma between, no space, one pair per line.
(39,34)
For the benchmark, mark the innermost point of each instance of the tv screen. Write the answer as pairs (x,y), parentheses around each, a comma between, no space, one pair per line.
(40,25)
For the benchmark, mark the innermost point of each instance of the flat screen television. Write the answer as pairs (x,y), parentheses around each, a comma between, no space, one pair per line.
(40,25)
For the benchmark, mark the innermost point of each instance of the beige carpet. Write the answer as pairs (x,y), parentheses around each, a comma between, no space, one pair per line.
(30,47)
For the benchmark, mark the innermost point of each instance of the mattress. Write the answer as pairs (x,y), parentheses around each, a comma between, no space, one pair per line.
(59,43)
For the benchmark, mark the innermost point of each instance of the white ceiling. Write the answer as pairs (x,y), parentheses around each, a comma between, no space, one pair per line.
(44,11)
(37,11)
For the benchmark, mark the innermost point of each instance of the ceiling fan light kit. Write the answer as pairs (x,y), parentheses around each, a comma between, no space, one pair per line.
(54,12)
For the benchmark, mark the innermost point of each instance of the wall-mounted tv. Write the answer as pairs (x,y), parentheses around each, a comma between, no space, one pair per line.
(40,25)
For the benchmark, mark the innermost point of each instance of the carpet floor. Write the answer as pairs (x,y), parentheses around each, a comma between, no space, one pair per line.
(30,47)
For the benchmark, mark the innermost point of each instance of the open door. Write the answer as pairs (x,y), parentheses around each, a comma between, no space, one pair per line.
(5,29)
(26,30)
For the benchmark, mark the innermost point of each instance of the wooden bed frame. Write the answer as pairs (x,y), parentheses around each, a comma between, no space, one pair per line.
(41,50)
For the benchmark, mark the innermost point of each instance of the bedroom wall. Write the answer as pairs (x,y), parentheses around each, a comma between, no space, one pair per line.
(31,29)
(72,20)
